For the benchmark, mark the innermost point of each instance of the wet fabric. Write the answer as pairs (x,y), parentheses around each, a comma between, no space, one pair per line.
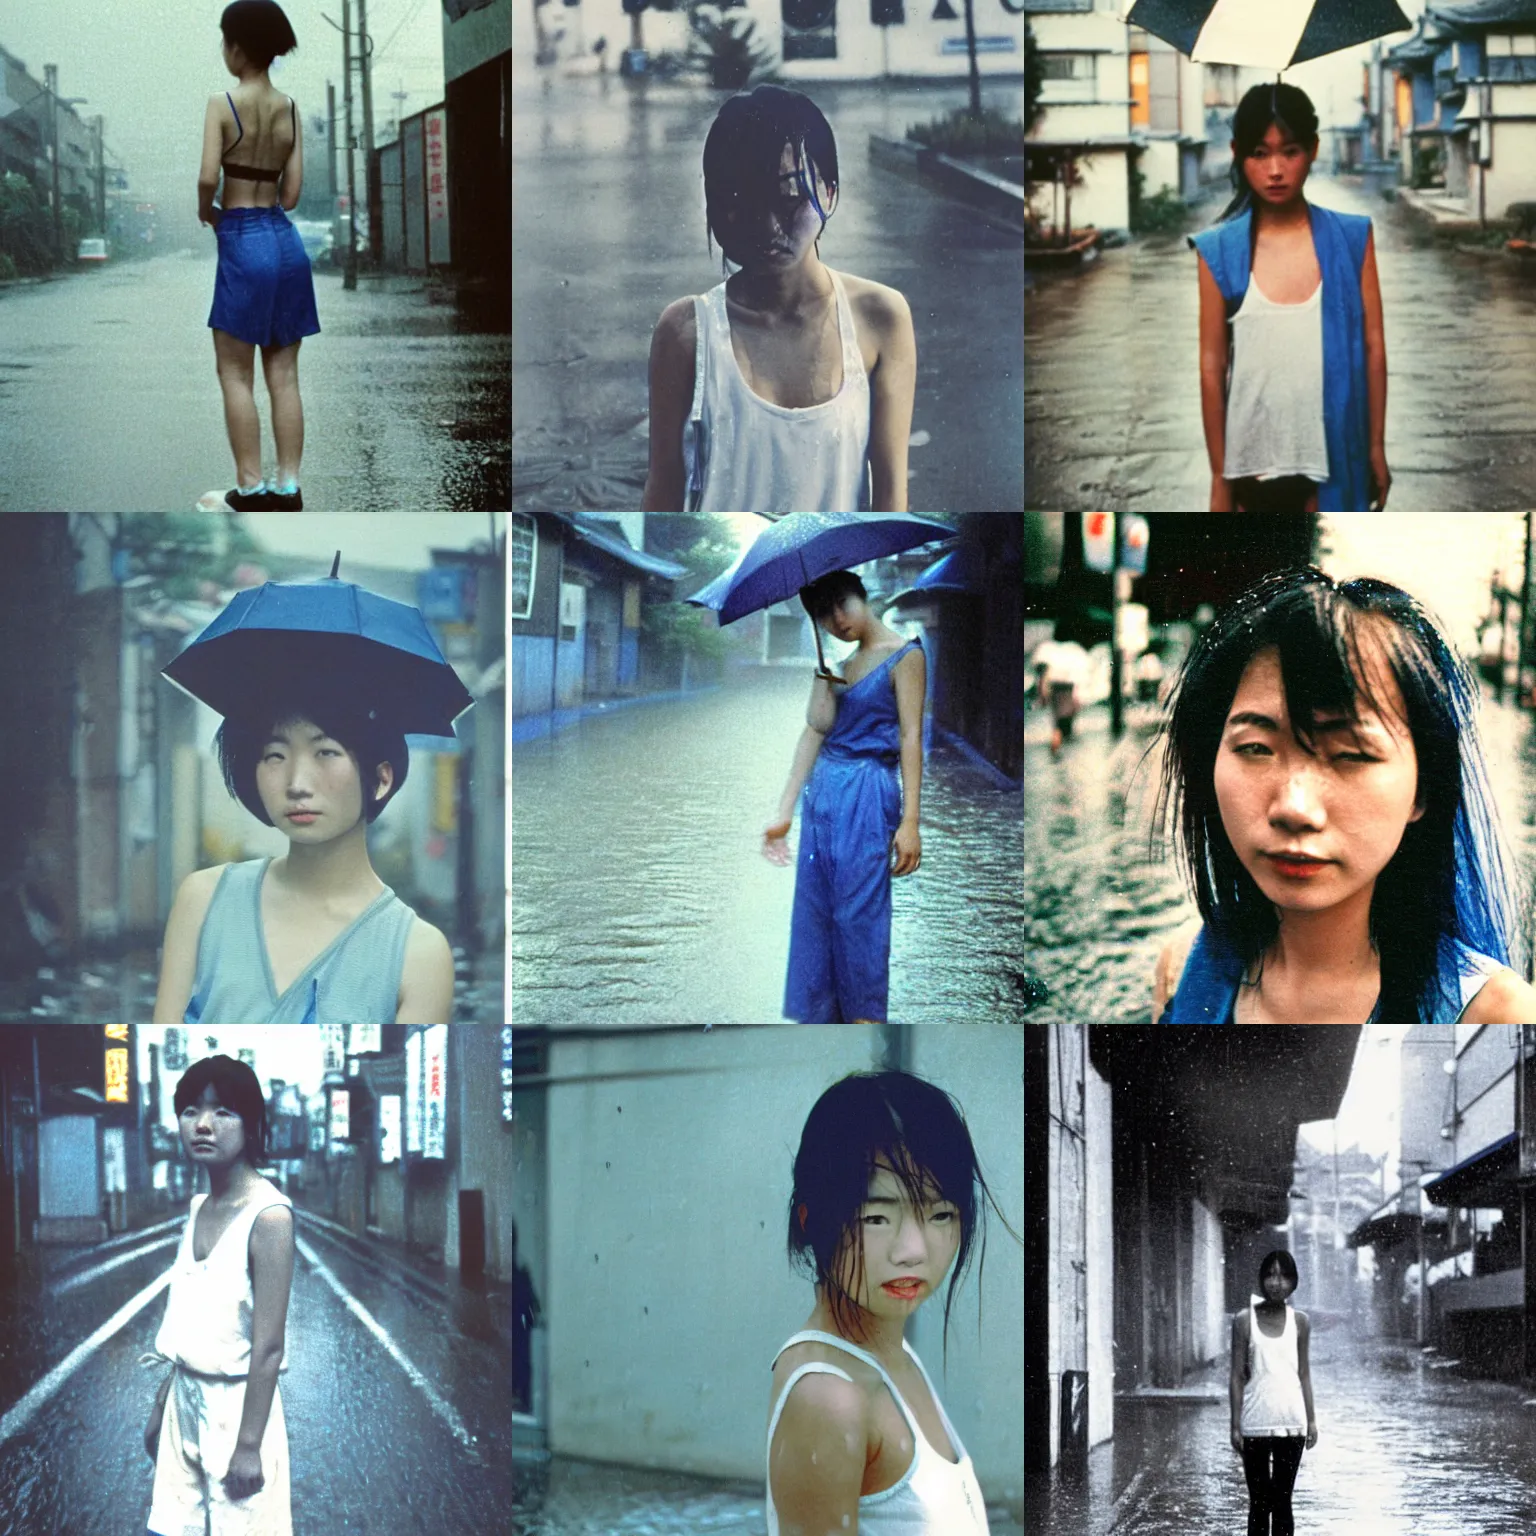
(1207,990)
(206,1335)
(934,1497)
(1273,1403)
(355,979)
(744,454)
(264,290)
(840,927)
(1287,493)
(1270,1464)
(1340,242)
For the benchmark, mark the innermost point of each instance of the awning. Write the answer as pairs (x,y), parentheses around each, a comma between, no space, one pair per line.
(652,565)
(1386,1230)
(1487,1178)
(959,571)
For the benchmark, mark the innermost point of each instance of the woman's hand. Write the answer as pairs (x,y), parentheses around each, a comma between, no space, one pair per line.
(776,843)
(907,849)
(1237,1440)
(1311,1434)
(831,677)
(1381,480)
(1221,494)
(244,1476)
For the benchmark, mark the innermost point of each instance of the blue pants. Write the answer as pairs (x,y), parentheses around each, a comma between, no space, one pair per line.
(264,292)
(840,931)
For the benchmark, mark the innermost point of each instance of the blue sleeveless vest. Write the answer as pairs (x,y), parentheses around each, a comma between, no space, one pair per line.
(1207,991)
(1340,240)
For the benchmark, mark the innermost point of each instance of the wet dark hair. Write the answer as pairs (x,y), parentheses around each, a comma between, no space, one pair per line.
(1287,1266)
(237,1089)
(362,730)
(905,1123)
(259,29)
(1447,878)
(826,592)
(742,151)
(1287,106)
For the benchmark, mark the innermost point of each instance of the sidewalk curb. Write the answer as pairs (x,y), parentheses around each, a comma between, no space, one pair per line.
(537,727)
(969,183)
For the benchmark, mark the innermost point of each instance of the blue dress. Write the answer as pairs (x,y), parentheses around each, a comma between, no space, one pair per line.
(840,932)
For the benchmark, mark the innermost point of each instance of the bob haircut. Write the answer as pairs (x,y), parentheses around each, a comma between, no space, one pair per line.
(360,729)
(1446,881)
(236,1085)
(1286,1264)
(259,29)
(1289,108)
(742,151)
(826,592)
(892,1118)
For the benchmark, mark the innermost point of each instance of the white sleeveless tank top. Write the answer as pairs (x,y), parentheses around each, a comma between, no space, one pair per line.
(934,1497)
(1272,1399)
(1275,400)
(744,454)
(211,1306)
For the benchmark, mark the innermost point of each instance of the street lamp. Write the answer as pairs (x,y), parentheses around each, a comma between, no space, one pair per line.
(55,101)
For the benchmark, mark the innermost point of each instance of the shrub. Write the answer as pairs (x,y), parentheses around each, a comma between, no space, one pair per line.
(958,133)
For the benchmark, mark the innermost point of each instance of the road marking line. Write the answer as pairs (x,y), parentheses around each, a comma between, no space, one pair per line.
(18,1417)
(86,1275)
(442,1409)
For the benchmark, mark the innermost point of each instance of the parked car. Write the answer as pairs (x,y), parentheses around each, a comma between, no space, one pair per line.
(93,249)
(316,235)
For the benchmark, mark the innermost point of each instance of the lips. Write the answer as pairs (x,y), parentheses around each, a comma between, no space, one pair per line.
(302,815)
(903,1288)
(206,1146)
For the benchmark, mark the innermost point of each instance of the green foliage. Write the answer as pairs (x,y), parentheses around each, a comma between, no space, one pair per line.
(705,544)
(1034,78)
(672,630)
(184,550)
(722,46)
(26,229)
(958,133)
(7,268)
(1161,214)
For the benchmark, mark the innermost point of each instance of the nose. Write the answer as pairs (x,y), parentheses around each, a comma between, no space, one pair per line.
(911,1245)
(1297,805)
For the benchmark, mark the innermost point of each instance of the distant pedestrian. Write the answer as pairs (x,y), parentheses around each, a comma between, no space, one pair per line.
(860,761)
(788,388)
(217,1434)
(264,291)
(1063,674)
(1324,776)
(525,1318)
(887,1199)
(1148,672)
(1270,1390)
(1293,354)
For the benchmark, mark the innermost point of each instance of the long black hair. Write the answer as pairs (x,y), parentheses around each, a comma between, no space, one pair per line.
(1286,106)
(1446,881)
(900,1121)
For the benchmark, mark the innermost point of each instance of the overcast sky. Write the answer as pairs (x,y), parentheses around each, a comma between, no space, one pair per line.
(149,67)
(397,540)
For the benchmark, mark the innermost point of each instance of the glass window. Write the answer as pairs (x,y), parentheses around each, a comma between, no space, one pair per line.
(525,551)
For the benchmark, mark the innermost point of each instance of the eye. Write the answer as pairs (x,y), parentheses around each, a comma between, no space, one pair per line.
(1355,757)
(1252,749)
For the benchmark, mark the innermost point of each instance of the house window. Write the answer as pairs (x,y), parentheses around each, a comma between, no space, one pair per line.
(1141,90)
(1511,58)
(1066,66)
(525,558)
(810,29)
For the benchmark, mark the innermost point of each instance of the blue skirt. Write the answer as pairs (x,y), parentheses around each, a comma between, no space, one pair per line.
(264,292)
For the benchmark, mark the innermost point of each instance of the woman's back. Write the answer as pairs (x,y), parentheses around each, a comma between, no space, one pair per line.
(259,130)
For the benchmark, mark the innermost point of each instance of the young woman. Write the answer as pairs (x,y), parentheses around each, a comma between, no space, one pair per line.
(887,1201)
(858,822)
(216,1433)
(789,387)
(264,293)
(314,936)
(1293,357)
(1270,1390)
(1334,817)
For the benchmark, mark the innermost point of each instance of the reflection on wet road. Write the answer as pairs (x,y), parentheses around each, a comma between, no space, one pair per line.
(639,893)
(1406,1447)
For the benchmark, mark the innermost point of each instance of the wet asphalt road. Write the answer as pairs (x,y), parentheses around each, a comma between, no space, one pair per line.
(368,1453)
(1405,1448)
(639,894)
(608,229)
(1112,408)
(109,401)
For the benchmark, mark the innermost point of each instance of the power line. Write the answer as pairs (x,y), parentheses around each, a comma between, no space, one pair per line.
(409,16)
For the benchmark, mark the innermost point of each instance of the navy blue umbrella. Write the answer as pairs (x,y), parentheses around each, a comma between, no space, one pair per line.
(1271,34)
(289,635)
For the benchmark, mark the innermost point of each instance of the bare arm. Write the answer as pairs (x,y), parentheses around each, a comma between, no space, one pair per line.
(271,1280)
(671,386)
(293,168)
(821,711)
(892,388)
(426,980)
(1375,369)
(800,770)
(1236,1375)
(1214,359)
(910,677)
(1304,1369)
(817,1459)
(178,956)
(213,154)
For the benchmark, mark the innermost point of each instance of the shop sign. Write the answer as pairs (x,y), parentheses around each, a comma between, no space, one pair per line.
(365,1039)
(413,1053)
(333,1041)
(434,1120)
(506,1074)
(115,1089)
(389,1128)
(341,1114)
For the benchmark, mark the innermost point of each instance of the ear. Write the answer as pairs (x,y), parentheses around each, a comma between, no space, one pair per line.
(385,774)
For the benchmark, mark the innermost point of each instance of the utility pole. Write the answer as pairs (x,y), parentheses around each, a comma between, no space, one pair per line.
(1120,590)
(349,280)
(1527,697)
(98,124)
(970,48)
(330,129)
(51,85)
(365,63)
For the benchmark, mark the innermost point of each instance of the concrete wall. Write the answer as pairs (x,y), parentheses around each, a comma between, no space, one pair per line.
(485,1160)
(1512,176)
(1207,1287)
(1099,1129)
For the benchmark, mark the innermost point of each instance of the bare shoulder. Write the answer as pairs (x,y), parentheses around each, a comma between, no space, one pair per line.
(196,891)
(427,948)
(274,1225)
(823,1410)
(677,329)
(1503,999)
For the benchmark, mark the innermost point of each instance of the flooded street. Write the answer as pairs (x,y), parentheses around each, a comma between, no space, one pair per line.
(1407,1447)
(1112,398)
(639,893)
(1100,908)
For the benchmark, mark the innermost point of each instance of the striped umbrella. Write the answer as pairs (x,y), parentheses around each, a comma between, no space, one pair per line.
(1267,34)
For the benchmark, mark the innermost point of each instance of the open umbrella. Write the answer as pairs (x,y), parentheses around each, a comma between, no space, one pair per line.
(1269,34)
(284,632)
(803,546)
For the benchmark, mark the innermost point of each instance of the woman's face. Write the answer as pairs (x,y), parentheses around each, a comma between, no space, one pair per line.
(842,622)
(901,1244)
(210,1132)
(776,236)
(1314,828)
(1274,1284)
(309,783)
(1277,166)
